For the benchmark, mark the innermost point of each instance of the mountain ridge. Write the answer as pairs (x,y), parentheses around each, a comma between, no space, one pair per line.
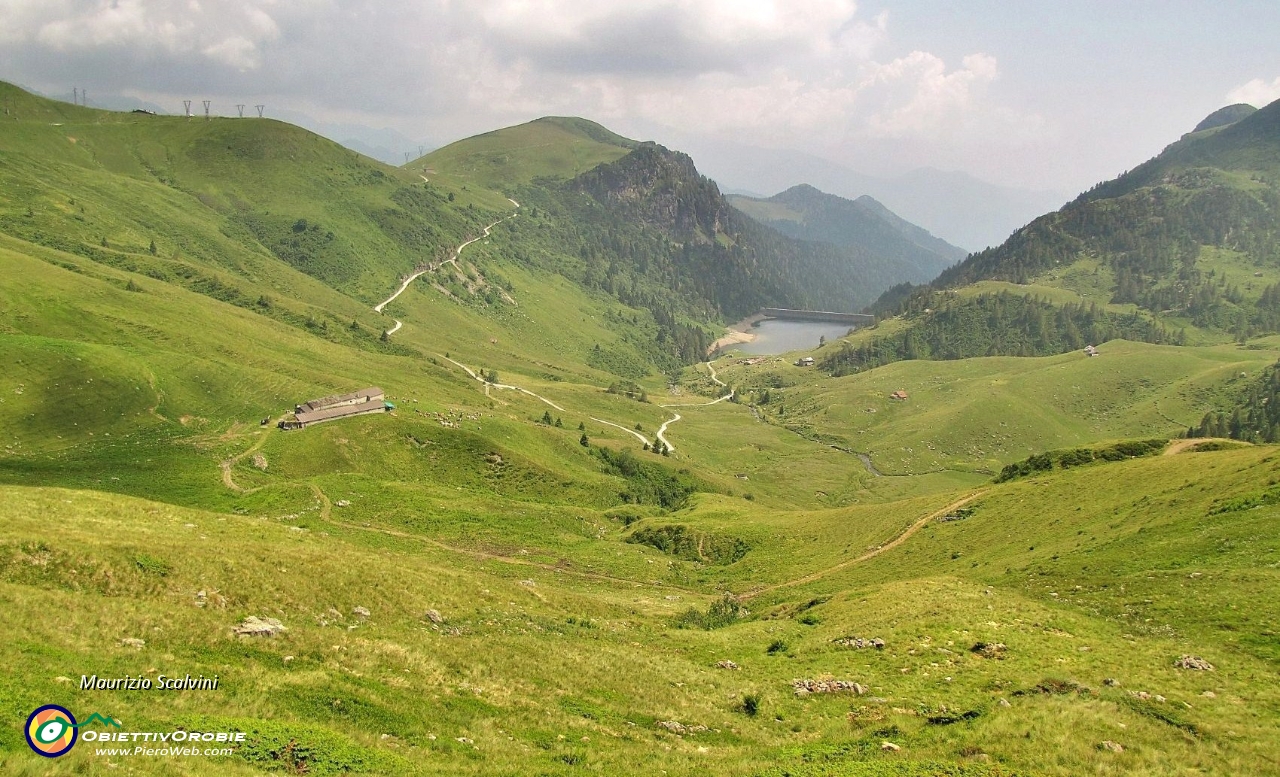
(907,253)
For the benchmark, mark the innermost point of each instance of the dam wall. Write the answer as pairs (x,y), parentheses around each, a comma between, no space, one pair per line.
(852,319)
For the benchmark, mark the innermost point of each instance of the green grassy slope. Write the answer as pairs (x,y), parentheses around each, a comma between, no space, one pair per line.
(553,146)
(1187,240)
(979,414)
(552,668)
(249,197)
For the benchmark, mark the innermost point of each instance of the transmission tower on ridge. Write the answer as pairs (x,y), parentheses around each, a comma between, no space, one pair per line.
(240,108)
(260,107)
(206,109)
(186,104)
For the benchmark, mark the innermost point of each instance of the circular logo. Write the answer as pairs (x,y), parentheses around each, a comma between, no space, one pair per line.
(51,731)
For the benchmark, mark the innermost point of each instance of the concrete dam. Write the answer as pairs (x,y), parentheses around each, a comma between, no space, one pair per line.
(852,319)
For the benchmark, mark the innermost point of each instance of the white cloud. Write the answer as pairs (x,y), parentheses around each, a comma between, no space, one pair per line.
(237,51)
(228,32)
(1257,93)
(783,73)
(923,96)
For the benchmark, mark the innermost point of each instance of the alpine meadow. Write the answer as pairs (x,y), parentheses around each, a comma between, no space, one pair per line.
(481,464)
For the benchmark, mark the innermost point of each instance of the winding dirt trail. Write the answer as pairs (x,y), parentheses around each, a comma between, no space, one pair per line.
(1180,446)
(457,252)
(885,548)
(475,375)
(714,377)
(326,514)
(661,434)
(631,432)
(227,464)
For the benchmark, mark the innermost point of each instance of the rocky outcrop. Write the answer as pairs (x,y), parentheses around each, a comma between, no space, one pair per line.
(989,649)
(858,643)
(663,189)
(253,626)
(1193,662)
(806,687)
(680,729)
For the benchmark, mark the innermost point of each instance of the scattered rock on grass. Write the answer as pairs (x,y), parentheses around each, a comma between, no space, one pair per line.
(133,642)
(676,727)
(806,687)
(1114,747)
(726,664)
(435,617)
(253,626)
(890,747)
(859,643)
(989,649)
(363,612)
(1193,662)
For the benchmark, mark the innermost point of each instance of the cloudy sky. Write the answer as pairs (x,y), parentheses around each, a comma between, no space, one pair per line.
(1037,93)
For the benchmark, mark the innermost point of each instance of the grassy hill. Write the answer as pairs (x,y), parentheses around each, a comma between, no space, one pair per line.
(552,147)
(1180,250)
(166,195)
(980,414)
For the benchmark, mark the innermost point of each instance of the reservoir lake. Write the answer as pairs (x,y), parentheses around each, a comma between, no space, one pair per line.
(774,336)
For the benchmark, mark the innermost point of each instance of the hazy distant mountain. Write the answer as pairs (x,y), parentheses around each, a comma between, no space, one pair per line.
(956,207)
(384,144)
(110,102)
(904,251)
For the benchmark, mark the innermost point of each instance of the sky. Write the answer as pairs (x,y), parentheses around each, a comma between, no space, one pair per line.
(1036,94)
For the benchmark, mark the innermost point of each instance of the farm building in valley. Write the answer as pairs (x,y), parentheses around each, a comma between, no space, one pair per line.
(370,400)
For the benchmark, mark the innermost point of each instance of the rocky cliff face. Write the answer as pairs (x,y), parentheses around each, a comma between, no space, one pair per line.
(664,190)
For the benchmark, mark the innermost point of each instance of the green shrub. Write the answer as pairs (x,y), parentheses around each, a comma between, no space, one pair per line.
(300,748)
(151,565)
(722,612)
(1043,462)
(682,542)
